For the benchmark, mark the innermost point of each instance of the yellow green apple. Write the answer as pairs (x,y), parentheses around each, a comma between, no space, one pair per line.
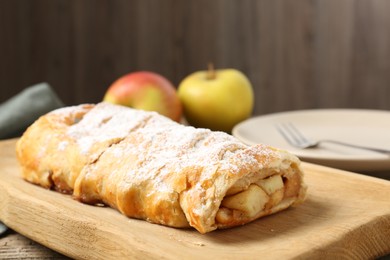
(147,91)
(216,99)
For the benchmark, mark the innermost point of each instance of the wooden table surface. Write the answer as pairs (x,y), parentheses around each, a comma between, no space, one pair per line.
(15,246)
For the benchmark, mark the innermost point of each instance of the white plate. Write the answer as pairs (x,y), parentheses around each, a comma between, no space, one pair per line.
(357,126)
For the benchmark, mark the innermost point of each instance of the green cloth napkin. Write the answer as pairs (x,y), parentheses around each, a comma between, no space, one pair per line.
(3,228)
(20,111)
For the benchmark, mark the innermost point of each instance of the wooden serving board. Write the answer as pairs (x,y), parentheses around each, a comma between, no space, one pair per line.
(346,215)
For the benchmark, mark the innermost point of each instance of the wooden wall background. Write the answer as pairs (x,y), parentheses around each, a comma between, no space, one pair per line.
(298,54)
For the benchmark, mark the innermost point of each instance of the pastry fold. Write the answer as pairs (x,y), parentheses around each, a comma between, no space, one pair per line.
(149,167)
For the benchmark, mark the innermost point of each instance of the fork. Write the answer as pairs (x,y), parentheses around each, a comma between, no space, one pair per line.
(297,139)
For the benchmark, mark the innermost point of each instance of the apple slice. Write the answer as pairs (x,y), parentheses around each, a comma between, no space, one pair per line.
(239,186)
(274,187)
(275,198)
(250,201)
(271,184)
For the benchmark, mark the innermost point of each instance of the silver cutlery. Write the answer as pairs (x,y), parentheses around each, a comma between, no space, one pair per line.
(297,139)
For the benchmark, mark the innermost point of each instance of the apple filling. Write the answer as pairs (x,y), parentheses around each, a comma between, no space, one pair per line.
(247,202)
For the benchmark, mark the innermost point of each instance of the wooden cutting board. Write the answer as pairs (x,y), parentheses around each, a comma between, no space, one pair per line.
(346,215)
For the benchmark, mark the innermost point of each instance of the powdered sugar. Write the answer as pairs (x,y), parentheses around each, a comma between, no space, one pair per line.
(160,142)
(66,110)
(62,145)
(105,122)
(162,148)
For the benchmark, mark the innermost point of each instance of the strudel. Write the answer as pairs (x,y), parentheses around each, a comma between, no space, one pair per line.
(149,167)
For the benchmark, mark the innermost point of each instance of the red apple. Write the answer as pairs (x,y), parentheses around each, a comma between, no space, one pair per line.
(147,91)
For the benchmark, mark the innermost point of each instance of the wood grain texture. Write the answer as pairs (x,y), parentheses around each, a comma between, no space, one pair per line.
(16,246)
(345,216)
(298,54)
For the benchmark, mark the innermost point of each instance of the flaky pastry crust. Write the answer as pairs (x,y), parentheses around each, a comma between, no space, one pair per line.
(152,168)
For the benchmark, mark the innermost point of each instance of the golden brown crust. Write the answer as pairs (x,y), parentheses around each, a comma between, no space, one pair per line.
(152,168)
(47,154)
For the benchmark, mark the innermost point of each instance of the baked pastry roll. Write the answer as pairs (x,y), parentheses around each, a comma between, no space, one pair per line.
(54,150)
(149,167)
